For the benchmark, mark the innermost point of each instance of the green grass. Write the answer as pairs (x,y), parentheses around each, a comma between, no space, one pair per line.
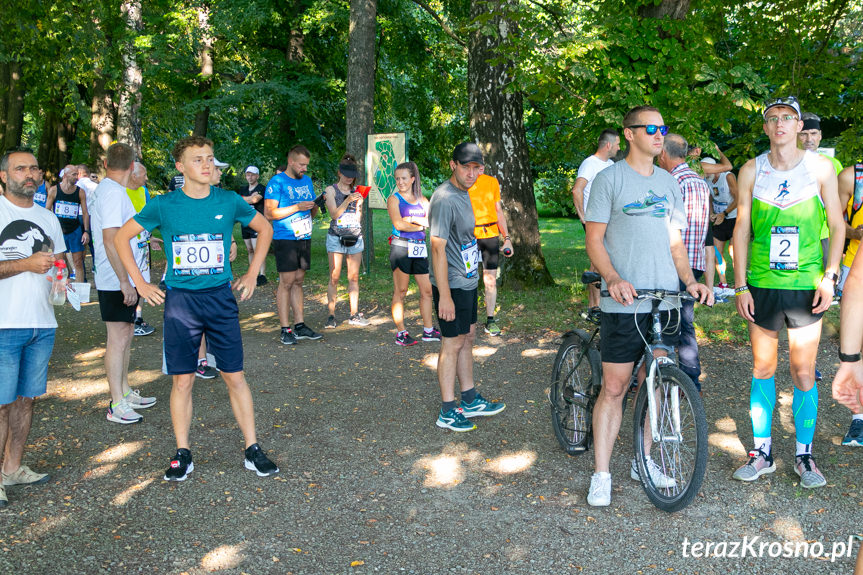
(530,312)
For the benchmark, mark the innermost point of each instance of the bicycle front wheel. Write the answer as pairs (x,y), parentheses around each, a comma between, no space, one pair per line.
(671,468)
(575,381)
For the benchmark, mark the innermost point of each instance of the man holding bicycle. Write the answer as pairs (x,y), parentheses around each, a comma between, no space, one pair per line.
(781,279)
(634,220)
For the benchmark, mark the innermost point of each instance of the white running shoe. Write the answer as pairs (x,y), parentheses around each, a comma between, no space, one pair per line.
(600,489)
(658,478)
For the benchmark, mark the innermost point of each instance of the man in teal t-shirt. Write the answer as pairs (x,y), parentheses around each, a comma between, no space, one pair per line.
(196,222)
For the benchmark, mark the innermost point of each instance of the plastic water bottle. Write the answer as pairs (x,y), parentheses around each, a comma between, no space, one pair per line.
(58,277)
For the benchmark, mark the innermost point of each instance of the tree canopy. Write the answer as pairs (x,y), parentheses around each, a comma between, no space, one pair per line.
(267,74)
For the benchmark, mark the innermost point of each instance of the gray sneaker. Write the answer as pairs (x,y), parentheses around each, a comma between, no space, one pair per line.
(810,476)
(759,464)
(358,319)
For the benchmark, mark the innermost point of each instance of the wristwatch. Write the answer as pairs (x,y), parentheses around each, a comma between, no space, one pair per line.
(831,276)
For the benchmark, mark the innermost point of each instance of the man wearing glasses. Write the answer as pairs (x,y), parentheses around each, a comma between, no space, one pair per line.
(634,218)
(781,279)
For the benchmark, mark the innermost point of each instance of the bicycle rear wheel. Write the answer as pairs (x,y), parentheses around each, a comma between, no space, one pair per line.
(575,381)
(680,459)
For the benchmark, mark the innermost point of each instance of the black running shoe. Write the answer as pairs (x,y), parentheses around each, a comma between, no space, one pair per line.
(181,466)
(257,461)
(305,332)
(287,337)
(262,280)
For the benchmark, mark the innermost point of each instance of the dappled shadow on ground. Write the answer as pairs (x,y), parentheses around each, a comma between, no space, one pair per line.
(368,480)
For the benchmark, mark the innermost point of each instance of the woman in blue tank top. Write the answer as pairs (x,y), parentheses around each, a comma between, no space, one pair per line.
(408,210)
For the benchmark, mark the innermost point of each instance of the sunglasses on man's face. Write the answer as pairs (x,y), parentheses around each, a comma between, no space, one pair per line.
(650,129)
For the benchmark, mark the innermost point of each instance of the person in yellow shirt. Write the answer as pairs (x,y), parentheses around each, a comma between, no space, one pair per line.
(136,189)
(851,196)
(490,223)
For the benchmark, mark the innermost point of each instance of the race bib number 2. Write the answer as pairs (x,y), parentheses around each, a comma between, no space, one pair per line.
(198,254)
(470,258)
(784,247)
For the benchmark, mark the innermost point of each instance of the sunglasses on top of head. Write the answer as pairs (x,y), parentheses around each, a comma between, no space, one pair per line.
(789,101)
(650,129)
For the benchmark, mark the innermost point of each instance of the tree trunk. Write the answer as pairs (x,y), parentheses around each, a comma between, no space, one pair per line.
(47,153)
(66,132)
(128,115)
(202,116)
(58,138)
(496,119)
(360,111)
(102,122)
(11,106)
(674,9)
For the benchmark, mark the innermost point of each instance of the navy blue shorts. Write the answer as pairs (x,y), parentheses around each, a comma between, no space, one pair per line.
(191,313)
(73,241)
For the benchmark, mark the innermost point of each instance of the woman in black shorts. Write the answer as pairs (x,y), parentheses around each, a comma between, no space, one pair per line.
(408,210)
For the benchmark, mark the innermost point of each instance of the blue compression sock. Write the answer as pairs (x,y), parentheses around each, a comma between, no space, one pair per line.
(720,261)
(762,398)
(805,408)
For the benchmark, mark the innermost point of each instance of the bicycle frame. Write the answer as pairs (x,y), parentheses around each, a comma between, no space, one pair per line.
(654,362)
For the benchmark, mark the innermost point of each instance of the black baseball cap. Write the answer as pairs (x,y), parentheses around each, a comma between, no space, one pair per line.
(467,152)
(349,169)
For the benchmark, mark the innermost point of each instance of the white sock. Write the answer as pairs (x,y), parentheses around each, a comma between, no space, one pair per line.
(804,449)
(857,416)
(764,443)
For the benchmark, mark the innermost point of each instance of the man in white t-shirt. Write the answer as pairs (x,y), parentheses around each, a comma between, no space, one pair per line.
(30,241)
(117,296)
(606,148)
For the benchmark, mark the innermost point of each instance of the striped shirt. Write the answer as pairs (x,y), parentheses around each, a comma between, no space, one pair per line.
(696,200)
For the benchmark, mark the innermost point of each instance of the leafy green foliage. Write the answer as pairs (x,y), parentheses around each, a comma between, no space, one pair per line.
(280,68)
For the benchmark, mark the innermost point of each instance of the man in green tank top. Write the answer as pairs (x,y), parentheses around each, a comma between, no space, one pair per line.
(784,198)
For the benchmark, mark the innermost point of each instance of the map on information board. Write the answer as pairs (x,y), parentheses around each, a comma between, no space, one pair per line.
(383,154)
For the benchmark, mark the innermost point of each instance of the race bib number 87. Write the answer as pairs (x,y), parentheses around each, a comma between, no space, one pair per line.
(417,250)
(198,254)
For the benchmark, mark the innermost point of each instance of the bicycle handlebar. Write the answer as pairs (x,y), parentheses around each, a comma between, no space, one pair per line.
(656,294)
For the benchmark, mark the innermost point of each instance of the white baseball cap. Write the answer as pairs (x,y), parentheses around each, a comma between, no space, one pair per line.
(220,164)
(253,169)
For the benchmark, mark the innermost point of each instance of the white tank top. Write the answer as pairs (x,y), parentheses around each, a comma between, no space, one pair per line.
(720,193)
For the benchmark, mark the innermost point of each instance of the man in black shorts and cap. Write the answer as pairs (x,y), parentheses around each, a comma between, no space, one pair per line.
(454,278)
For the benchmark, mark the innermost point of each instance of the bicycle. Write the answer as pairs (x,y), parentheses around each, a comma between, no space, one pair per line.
(668,414)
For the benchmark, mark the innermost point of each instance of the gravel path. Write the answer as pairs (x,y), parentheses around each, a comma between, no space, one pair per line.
(369,484)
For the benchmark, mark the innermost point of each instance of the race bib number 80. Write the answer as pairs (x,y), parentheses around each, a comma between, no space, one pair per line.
(784,247)
(198,254)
